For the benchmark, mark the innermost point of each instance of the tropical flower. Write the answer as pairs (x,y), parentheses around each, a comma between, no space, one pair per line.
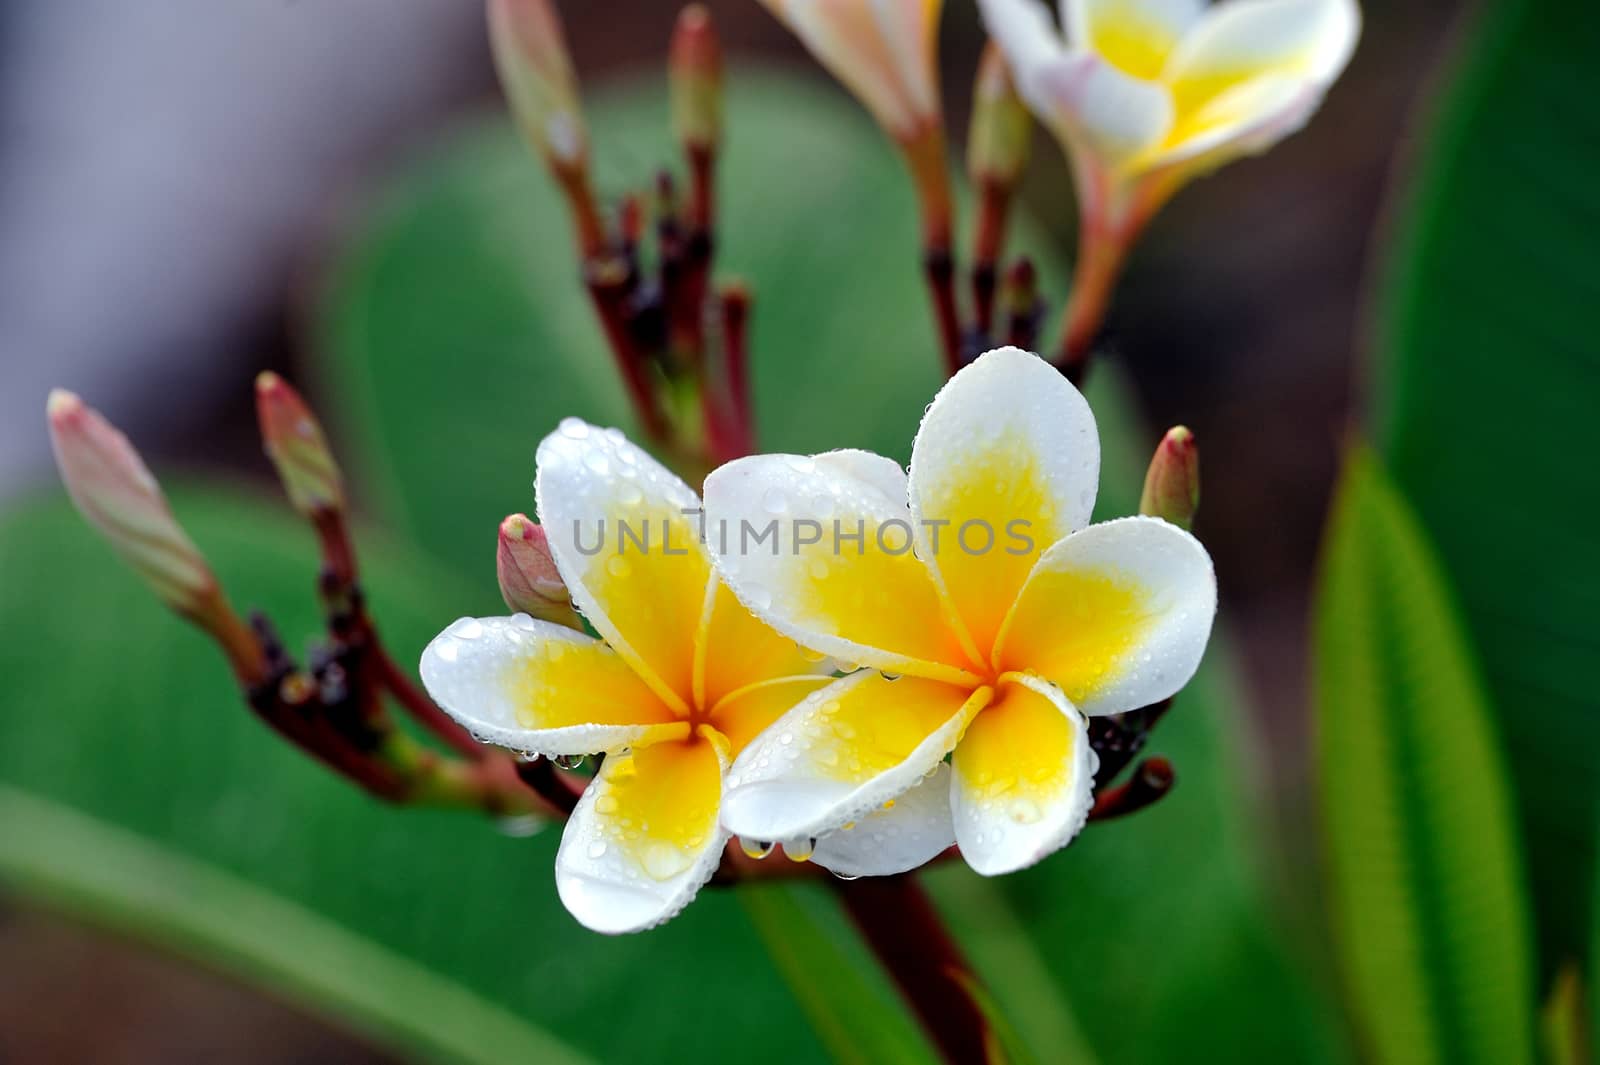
(1145,94)
(882,50)
(680,681)
(993,617)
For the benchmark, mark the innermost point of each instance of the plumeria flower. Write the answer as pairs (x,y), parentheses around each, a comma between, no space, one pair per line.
(993,616)
(679,683)
(1147,94)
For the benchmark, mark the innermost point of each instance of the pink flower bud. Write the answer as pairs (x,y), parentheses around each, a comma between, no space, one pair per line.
(695,74)
(529,581)
(115,492)
(298,450)
(530,55)
(1172,487)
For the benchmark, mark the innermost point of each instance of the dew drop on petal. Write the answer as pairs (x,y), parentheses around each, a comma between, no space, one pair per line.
(755,848)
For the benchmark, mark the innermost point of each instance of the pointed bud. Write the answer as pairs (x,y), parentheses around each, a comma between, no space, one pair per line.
(882,51)
(529,581)
(530,55)
(115,492)
(1002,129)
(1172,487)
(695,74)
(297,448)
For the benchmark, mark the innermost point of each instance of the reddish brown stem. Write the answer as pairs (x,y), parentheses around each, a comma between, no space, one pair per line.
(898,921)
(608,286)
(1094,277)
(588,230)
(1150,782)
(988,245)
(939,269)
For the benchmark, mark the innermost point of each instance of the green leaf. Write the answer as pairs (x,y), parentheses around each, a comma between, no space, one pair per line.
(137,790)
(1430,916)
(847,998)
(457,326)
(1488,369)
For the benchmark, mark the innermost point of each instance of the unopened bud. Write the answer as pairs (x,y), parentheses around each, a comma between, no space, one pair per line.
(115,492)
(298,450)
(695,73)
(530,55)
(1001,132)
(883,52)
(1172,487)
(529,581)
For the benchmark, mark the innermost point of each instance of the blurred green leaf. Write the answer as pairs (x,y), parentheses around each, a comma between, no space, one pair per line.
(1488,372)
(1430,916)
(846,996)
(137,790)
(458,328)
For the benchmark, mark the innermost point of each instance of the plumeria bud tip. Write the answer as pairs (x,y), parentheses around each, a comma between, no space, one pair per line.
(116,493)
(1001,132)
(1172,487)
(530,55)
(695,68)
(297,447)
(529,581)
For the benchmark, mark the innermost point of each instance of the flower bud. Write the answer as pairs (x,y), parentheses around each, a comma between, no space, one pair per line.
(529,581)
(1001,132)
(297,448)
(530,55)
(695,73)
(1172,487)
(115,492)
(882,51)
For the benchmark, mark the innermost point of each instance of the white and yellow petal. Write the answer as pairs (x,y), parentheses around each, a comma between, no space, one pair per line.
(644,837)
(827,559)
(540,688)
(735,650)
(1023,779)
(842,753)
(1104,114)
(1005,464)
(1117,615)
(901,835)
(624,532)
(745,713)
(1136,36)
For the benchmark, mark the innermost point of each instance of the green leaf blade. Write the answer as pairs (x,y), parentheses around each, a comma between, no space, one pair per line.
(1431,918)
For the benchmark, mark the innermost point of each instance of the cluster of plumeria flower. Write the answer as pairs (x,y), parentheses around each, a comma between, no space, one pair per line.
(870,668)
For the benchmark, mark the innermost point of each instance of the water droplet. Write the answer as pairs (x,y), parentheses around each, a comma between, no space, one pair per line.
(447,650)
(597,849)
(574,428)
(818,567)
(628,493)
(800,463)
(662,861)
(569,761)
(755,848)
(846,876)
(467,629)
(774,501)
(618,566)
(758,596)
(799,850)
(597,462)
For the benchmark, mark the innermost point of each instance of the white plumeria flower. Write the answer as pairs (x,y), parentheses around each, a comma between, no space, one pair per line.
(681,681)
(1145,94)
(1008,622)
(882,50)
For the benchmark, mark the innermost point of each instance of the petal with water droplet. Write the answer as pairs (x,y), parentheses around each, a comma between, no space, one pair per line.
(540,688)
(897,837)
(1117,614)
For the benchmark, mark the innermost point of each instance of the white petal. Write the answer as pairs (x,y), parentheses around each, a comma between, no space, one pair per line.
(894,838)
(1023,778)
(842,753)
(869,467)
(1094,108)
(1117,615)
(611,873)
(825,558)
(1244,120)
(624,532)
(540,688)
(1311,39)
(1024,32)
(1006,463)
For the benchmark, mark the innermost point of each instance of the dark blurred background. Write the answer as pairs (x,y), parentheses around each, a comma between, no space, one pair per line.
(173,172)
